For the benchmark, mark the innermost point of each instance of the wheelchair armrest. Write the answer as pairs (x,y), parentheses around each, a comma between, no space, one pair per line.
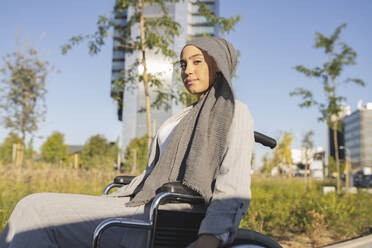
(124,180)
(177,187)
(119,181)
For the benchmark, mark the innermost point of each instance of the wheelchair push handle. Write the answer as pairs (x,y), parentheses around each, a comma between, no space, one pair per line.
(264,140)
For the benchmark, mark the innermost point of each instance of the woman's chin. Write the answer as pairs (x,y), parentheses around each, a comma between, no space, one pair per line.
(194,90)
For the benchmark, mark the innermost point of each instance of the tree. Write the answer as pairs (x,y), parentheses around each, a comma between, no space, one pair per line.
(54,149)
(339,56)
(308,144)
(29,152)
(267,164)
(6,148)
(332,167)
(22,92)
(137,149)
(253,158)
(283,153)
(98,153)
(156,36)
(225,24)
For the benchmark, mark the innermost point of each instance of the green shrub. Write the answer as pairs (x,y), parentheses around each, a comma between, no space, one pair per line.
(99,153)
(6,148)
(285,208)
(141,148)
(54,149)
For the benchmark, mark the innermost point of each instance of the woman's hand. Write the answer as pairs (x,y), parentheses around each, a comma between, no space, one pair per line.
(207,241)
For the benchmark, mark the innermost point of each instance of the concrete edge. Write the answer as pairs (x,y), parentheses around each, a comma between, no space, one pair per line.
(353,243)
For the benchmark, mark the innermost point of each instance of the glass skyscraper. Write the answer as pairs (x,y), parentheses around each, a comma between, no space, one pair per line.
(358,136)
(132,99)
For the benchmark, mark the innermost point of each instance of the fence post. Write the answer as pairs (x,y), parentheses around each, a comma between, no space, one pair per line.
(76,160)
(134,161)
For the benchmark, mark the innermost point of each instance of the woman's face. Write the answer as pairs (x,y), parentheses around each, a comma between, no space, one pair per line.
(198,72)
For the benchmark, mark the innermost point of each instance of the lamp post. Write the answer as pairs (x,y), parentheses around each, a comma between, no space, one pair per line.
(347,169)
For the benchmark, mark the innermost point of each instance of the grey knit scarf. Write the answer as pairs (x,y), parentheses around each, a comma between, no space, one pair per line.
(198,143)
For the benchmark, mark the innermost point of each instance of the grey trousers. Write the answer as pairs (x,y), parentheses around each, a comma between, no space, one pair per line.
(50,220)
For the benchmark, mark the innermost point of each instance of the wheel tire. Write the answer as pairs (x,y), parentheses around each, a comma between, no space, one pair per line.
(248,238)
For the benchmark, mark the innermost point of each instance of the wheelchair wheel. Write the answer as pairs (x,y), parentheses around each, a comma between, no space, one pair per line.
(251,239)
(246,246)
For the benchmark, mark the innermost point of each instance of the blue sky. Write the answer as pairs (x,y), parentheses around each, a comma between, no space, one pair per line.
(273,36)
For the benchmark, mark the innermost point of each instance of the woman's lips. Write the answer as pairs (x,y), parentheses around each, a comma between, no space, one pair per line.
(190,81)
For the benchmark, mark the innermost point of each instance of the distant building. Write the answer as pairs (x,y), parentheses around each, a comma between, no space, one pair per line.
(319,165)
(340,136)
(131,99)
(358,136)
(340,141)
(315,159)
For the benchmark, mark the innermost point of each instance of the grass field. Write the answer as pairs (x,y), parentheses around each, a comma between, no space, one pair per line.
(291,213)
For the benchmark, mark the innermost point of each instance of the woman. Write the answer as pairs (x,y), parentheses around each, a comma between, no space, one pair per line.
(207,147)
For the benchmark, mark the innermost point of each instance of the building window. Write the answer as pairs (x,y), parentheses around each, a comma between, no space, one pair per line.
(195,8)
(117,66)
(197,19)
(201,30)
(118,55)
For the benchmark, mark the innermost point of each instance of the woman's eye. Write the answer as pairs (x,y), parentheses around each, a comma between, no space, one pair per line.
(197,62)
(183,66)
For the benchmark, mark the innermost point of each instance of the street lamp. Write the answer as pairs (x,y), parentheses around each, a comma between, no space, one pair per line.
(347,181)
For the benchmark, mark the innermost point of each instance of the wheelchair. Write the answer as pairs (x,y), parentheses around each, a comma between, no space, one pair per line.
(178,229)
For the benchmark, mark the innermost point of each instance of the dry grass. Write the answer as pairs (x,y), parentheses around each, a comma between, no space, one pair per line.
(15,185)
(283,209)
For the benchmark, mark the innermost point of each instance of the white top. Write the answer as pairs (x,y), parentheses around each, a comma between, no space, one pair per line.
(166,130)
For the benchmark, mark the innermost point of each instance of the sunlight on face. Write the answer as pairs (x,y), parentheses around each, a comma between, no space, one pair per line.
(196,68)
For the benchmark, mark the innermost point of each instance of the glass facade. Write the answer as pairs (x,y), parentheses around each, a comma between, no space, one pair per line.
(197,19)
(358,137)
(194,8)
(197,24)
(196,31)
(352,137)
(118,59)
(133,98)
(340,142)
(366,137)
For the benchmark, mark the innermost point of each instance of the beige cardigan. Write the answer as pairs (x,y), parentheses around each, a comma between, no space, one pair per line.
(231,194)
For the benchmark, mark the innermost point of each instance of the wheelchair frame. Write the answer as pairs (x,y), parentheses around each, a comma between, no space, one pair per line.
(150,225)
(252,237)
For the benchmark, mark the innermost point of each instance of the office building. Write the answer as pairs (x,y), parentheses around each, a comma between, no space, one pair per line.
(358,136)
(340,135)
(340,141)
(132,99)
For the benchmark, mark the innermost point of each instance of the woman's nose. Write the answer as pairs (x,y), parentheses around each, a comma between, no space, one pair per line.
(188,69)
